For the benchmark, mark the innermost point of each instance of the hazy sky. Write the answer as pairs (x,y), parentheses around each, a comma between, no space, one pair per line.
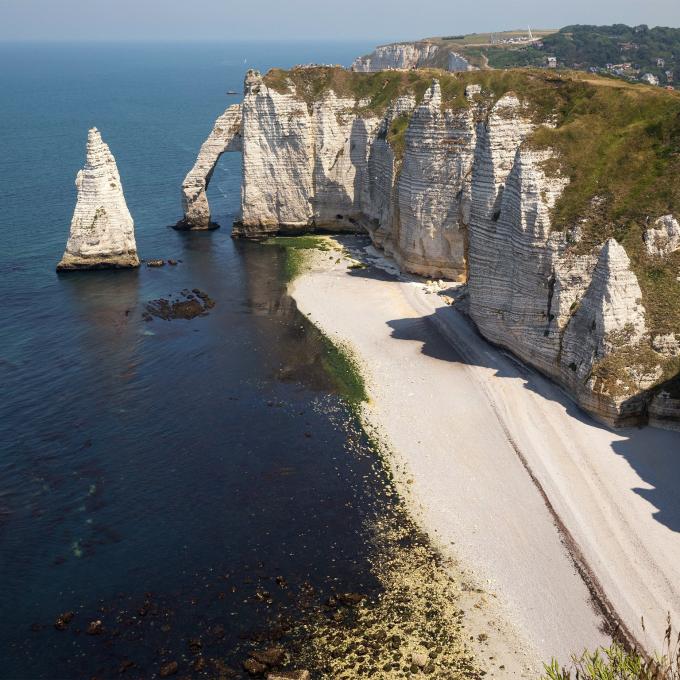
(378,20)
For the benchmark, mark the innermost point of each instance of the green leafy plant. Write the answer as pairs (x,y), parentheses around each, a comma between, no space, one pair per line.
(618,663)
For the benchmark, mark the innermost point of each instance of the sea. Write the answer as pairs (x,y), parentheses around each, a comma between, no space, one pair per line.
(167,486)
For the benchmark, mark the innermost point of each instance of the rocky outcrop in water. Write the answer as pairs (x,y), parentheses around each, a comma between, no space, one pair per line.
(225,136)
(102,231)
(457,189)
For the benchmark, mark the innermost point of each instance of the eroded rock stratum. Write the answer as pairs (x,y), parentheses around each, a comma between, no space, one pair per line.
(102,231)
(510,181)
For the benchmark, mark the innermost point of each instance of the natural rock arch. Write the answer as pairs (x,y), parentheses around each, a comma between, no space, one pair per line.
(225,136)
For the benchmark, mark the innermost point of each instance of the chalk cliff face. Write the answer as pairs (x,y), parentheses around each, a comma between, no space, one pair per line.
(457,62)
(610,316)
(297,165)
(396,56)
(225,136)
(411,55)
(102,231)
(433,189)
(329,167)
(565,313)
(458,189)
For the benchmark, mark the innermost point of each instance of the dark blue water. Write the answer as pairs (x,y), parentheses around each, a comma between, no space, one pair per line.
(155,475)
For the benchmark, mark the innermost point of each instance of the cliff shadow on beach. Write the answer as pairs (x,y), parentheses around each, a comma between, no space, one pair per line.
(654,454)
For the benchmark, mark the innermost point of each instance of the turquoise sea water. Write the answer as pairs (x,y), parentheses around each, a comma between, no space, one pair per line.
(154,475)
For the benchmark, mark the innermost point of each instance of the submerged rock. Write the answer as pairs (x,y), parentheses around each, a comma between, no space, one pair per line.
(350,599)
(186,306)
(254,667)
(273,656)
(95,627)
(102,230)
(63,620)
(168,669)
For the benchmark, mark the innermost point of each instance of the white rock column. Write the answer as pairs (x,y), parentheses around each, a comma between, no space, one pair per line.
(225,136)
(433,189)
(102,230)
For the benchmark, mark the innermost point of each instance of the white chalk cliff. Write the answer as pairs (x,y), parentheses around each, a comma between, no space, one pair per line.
(102,231)
(457,62)
(411,55)
(461,194)
(396,56)
(326,167)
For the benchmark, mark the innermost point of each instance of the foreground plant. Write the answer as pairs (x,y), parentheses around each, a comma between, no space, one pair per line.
(617,663)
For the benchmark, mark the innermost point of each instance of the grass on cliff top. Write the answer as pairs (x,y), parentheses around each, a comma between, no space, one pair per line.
(380,89)
(542,91)
(620,143)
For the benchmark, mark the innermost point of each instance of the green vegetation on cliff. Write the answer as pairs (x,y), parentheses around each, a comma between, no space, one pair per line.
(619,145)
(378,90)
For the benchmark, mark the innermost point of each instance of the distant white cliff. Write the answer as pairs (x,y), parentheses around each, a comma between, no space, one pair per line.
(410,55)
(102,230)
(398,55)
